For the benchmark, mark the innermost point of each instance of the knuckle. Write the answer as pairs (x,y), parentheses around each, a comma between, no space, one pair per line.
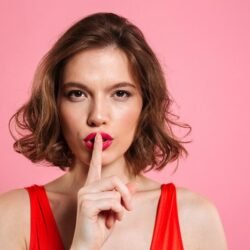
(127,193)
(119,208)
(83,197)
(85,204)
(117,195)
(117,181)
(81,191)
(114,203)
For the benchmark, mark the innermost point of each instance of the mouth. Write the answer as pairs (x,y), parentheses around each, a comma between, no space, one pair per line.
(93,140)
(90,139)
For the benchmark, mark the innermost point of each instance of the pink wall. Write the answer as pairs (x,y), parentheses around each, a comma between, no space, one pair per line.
(204,47)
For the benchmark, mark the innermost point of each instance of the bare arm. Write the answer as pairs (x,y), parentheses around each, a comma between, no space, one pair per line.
(210,229)
(200,222)
(13,220)
(213,234)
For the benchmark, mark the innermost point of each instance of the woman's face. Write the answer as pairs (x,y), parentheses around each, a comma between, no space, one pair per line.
(90,100)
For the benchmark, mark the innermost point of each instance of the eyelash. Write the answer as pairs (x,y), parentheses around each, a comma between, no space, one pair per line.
(73,92)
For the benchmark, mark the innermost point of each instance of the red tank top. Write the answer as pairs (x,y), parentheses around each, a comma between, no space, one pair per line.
(44,234)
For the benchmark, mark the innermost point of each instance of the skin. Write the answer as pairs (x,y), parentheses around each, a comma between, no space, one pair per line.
(99,180)
(100,109)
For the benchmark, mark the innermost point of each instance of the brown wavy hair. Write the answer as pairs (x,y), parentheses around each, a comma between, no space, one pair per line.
(154,145)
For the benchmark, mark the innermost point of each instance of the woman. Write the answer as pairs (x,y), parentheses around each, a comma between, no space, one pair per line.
(100,111)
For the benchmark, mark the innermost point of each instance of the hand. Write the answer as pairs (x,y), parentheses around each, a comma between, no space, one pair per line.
(100,203)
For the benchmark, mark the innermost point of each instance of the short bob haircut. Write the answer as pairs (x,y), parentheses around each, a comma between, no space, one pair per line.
(154,144)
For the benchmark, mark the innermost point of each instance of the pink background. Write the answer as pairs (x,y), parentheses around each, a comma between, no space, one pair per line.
(204,49)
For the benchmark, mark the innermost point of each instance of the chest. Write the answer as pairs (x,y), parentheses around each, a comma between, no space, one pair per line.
(135,231)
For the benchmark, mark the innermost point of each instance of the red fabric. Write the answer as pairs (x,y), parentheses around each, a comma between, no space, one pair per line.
(44,233)
(167,234)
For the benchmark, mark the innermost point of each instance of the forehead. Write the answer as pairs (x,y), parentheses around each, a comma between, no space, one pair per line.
(108,64)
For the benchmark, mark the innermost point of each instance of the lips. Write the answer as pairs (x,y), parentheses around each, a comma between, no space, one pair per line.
(91,137)
(89,140)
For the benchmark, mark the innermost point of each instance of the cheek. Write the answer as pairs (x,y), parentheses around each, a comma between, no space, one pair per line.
(128,119)
(69,119)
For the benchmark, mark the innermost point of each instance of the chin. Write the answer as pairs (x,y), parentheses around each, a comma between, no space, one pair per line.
(109,157)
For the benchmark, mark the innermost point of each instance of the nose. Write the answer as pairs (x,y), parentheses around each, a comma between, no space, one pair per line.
(97,114)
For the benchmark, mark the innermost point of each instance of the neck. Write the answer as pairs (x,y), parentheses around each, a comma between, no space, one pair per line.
(77,175)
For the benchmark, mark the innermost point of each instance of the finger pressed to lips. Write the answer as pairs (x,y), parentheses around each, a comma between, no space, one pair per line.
(95,167)
(107,184)
(97,148)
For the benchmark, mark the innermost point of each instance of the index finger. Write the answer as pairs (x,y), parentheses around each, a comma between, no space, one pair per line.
(95,166)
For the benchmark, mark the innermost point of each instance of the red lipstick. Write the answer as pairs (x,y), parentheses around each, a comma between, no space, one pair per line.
(106,138)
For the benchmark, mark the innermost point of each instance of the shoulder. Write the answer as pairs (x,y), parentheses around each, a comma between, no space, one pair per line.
(14,218)
(200,221)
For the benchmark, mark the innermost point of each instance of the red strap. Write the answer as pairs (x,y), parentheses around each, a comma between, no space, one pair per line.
(167,235)
(44,234)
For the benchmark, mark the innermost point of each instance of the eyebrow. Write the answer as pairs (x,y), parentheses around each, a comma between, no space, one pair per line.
(85,87)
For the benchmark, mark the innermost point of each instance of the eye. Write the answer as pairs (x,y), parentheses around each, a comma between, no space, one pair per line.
(75,95)
(122,94)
